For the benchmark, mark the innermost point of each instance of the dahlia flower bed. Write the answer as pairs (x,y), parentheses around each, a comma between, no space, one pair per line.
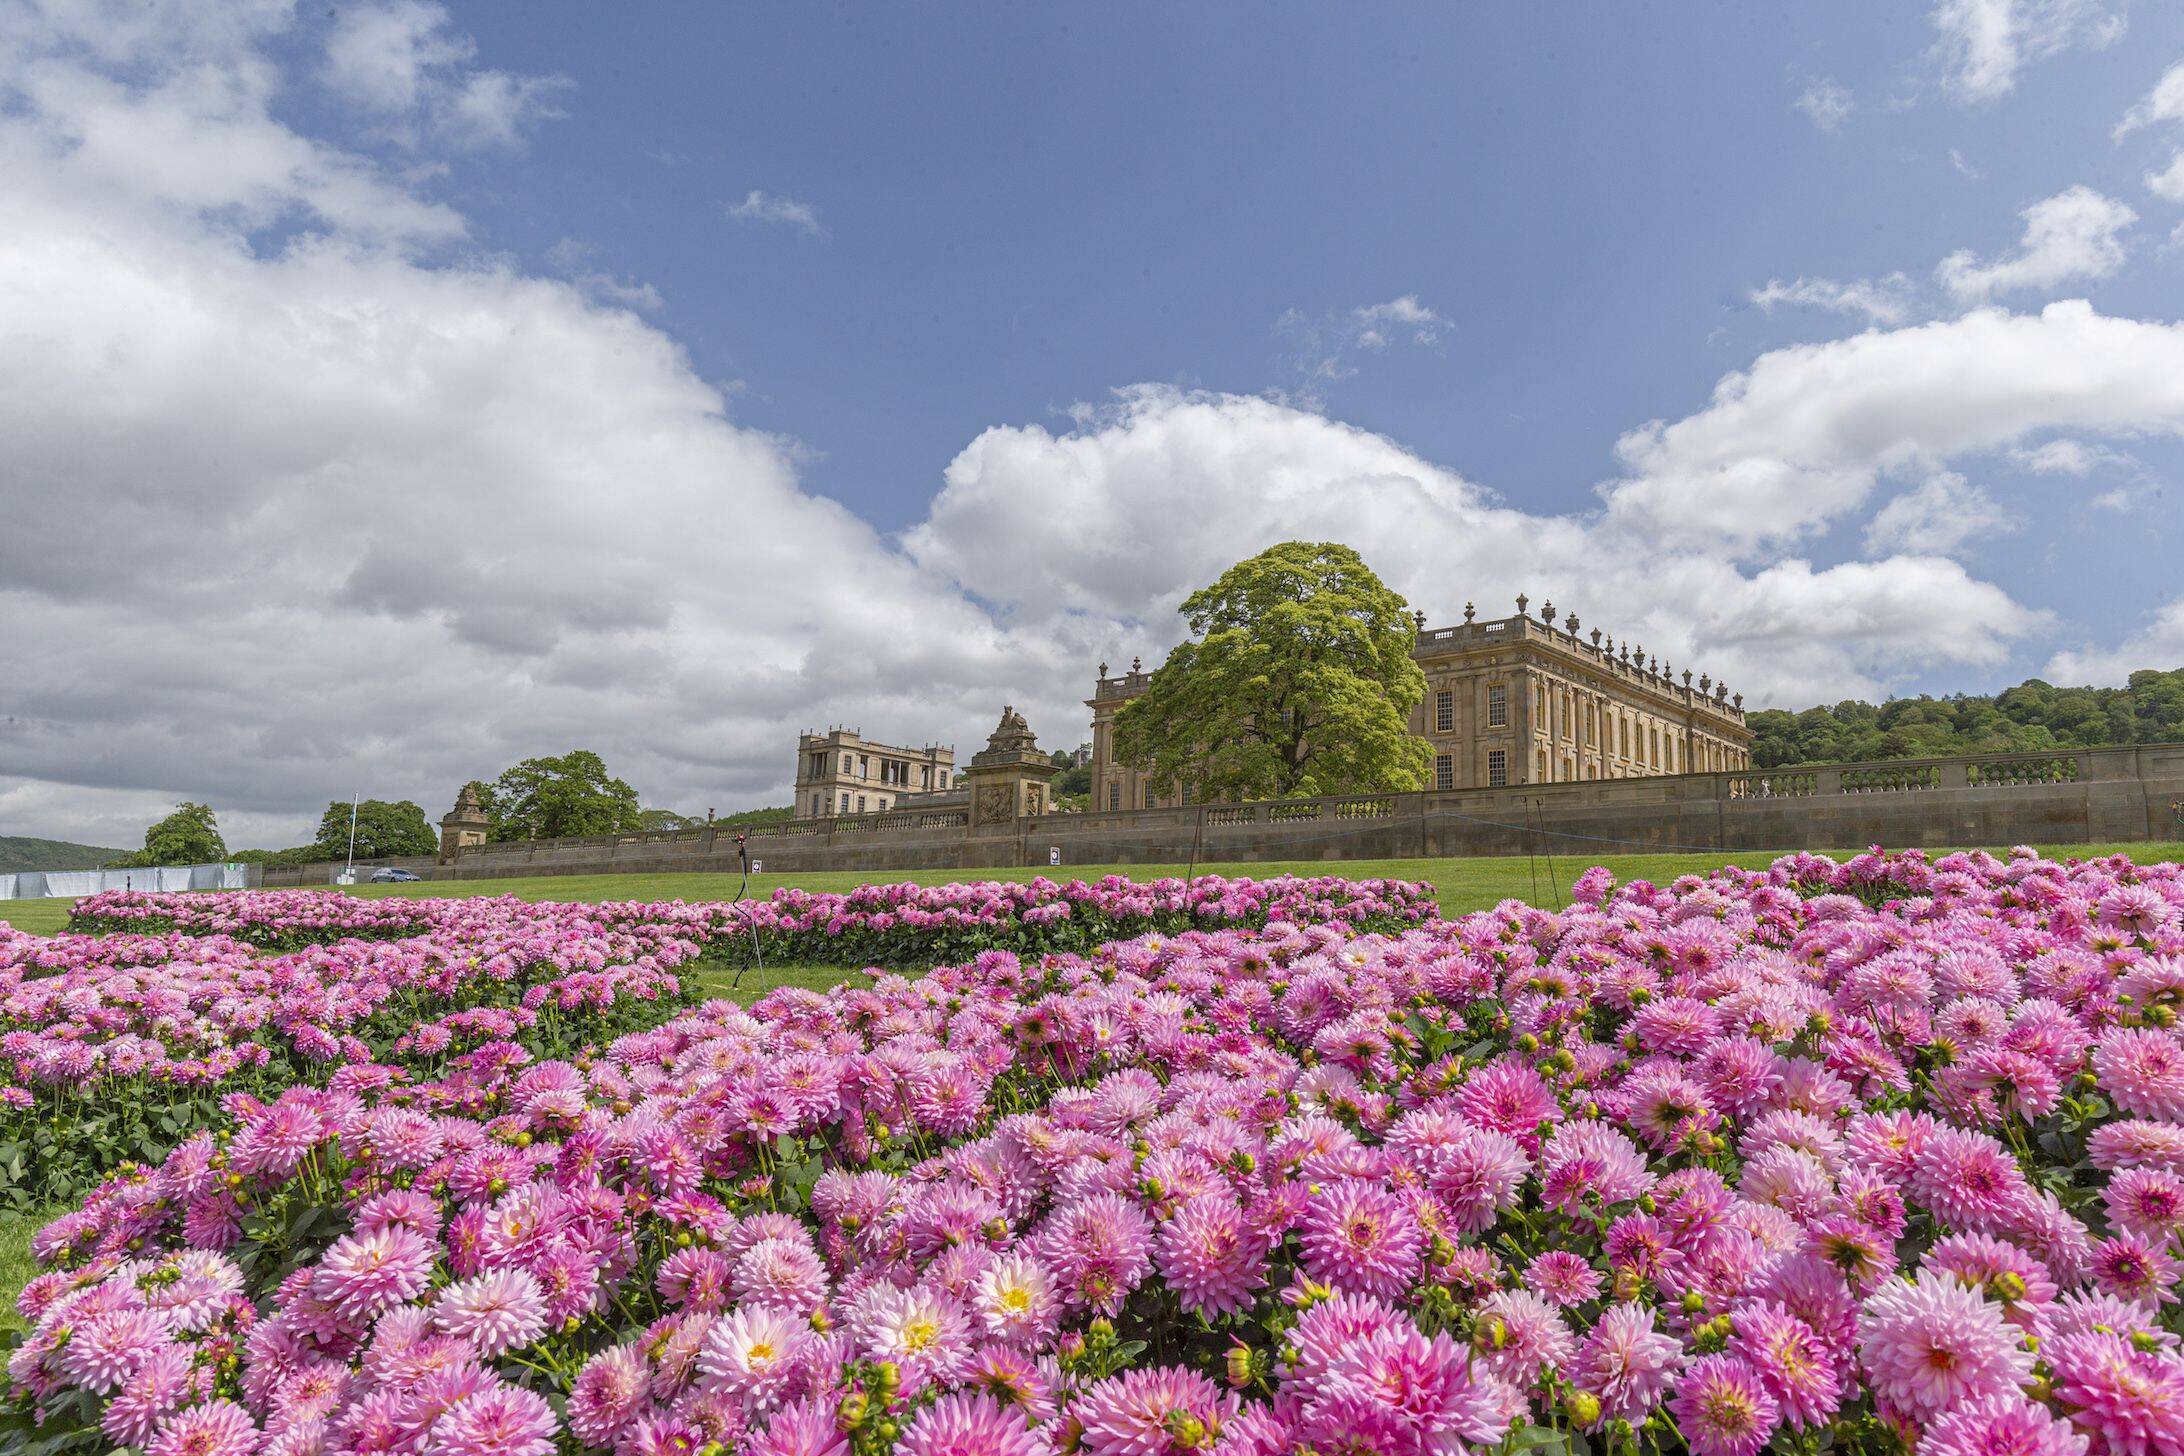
(117,1047)
(1736,1161)
(890,925)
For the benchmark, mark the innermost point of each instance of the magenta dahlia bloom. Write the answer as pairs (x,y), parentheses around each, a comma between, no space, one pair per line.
(1798,1368)
(612,1389)
(1208,1258)
(1626,1362)
(1930,1344)
(2001,1425)
(1562,1278)
(1163,1411)
(1723,1408)
(1969,1181)
(1359,1236)
(2131,1267)
(972,1424)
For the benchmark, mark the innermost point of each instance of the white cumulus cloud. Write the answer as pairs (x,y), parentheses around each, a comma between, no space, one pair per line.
(1882,301)
(1937,518)
(1984,44)
(2073,236)
(1826,104)
(402,64)
(758,206)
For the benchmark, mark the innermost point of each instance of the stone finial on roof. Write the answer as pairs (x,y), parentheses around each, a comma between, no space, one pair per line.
(1469,612)
(1524,604)
(1103,669)
(1547,613)
(1596,637)
(1137,664)
(1571,623)
(1419,618)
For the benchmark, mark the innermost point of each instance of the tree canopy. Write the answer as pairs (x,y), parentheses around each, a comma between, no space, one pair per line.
(383,830)
(558,798)
(2032,716)
(1297,680)
(190,835)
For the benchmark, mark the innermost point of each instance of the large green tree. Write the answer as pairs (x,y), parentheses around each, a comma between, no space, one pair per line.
(383,830)
(558,798)
(190,835)
(1298,679)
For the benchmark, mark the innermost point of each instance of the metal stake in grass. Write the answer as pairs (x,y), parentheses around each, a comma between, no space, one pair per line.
(743,853)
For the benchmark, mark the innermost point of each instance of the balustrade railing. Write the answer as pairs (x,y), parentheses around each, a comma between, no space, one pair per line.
(1891,778)
(1774,784)
(2051,768)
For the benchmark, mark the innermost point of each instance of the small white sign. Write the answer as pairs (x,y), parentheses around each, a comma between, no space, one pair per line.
(758,866)
(1054,854)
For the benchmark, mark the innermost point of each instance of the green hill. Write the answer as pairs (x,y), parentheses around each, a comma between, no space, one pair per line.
(2027,718)
(18,854)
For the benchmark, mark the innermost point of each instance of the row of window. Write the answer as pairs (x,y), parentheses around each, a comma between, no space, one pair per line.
(1497,770)
(891,771)
(1497,709)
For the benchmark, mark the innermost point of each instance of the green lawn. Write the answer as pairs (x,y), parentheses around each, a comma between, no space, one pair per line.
(1463,884)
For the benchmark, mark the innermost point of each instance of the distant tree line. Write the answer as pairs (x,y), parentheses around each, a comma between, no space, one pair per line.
(2032,716)
(539,798)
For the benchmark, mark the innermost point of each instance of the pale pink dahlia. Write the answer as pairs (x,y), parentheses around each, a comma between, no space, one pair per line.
(1163,1411)
(2142,1071)
(500,1420)
(497,1311)
(366,1272)
(1626,1362)
(2130,1401)
(216,1428)
(1359,1236)
(612,1389)
(1208,1259)
(1931,1344)
(969,1424)
(2001,1425)
(1723,1408)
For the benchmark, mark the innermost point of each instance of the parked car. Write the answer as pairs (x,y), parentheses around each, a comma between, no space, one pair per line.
(392,876)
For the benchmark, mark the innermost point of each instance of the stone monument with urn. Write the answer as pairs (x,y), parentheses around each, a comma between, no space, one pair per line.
(1008,778)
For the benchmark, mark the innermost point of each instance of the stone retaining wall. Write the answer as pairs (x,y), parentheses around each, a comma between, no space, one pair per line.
(2072,796)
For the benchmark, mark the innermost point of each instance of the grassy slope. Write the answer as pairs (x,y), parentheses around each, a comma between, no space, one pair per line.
(18,853)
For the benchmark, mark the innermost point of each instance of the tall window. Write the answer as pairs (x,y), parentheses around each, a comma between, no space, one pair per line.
(944,778)
(1497,768)
(1444,771)
(845,765)
(845,805)
(860,803)
(1444,712)
(1497,706)
(1114,796)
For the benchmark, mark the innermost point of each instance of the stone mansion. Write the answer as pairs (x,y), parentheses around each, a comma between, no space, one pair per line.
(842,772)
(1520,700)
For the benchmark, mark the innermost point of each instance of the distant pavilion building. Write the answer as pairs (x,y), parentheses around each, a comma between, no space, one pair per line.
(842,772)
(1520,700)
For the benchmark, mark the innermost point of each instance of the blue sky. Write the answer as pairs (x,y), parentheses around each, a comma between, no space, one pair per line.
(461,382)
